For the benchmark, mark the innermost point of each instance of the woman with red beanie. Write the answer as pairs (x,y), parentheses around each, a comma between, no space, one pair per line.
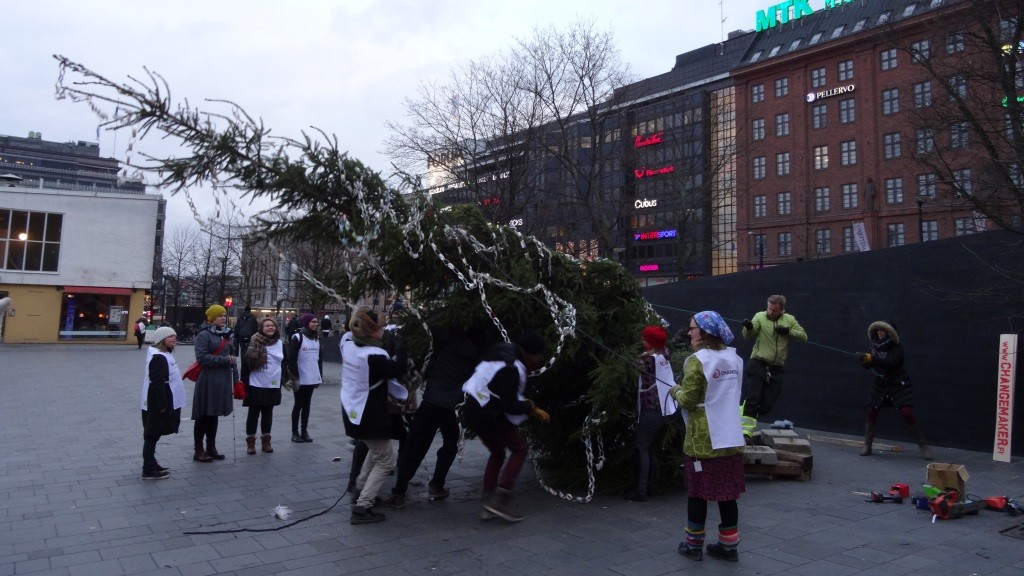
(653,406)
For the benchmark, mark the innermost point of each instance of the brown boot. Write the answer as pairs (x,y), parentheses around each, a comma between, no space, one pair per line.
(250,444)
(926,452)
(869,437)
(266,443)
(211,449)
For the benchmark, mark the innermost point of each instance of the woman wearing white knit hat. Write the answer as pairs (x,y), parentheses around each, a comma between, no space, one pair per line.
(163,396)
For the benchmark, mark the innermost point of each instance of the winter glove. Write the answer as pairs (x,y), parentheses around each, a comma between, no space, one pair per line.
(782,330)
(865,360)
(748,324)
(541,415)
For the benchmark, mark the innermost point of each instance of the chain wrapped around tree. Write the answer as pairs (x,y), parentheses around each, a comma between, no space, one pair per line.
(451,265)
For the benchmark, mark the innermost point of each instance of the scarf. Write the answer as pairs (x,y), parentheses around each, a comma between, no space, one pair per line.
(256,353)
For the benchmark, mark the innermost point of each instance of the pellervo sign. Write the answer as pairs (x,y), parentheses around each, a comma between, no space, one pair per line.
(814,96)
(783,12)
(1004,396)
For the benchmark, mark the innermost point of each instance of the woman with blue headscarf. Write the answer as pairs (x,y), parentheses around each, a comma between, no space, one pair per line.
(709,395)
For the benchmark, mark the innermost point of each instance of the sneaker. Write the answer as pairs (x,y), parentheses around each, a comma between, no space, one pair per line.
(362,515)
(635,496)
(155,475)
(717,550)
(394,501)
(160,468)
(691,552)
(500,504)
(437,492)
(305,437)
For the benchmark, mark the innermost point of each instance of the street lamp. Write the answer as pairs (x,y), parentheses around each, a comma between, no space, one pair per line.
(921,199)
(759,246)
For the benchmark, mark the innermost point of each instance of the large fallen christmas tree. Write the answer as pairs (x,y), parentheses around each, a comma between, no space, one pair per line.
(453,266)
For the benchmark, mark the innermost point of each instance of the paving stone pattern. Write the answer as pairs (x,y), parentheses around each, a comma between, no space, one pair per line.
(72,502)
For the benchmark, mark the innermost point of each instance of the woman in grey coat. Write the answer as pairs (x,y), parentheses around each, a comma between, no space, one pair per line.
(212,396)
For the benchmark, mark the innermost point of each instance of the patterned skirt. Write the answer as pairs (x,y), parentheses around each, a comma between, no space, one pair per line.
(719,479)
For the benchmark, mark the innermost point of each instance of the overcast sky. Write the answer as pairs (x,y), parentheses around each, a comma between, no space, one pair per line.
(343,66)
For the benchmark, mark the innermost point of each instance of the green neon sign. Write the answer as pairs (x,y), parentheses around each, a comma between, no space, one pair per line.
(1006,100)
(784,12)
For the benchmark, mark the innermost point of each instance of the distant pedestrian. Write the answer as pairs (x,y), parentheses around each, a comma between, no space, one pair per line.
(772,329)
(891,386)
(292,325)
(163,396)
(325,325)
(245,328)
(140,331)
(709,395)
(262,372)
(495,407)
(654,405)
(305,361)
(212,397)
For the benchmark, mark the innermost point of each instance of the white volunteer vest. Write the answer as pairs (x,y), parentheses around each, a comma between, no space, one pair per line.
(723,370)
(269,376)
(664,380)
(307,362)
(174,379)
(355,378)
(476,386)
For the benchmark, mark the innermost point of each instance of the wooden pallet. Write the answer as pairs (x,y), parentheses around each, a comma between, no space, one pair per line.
(783,469)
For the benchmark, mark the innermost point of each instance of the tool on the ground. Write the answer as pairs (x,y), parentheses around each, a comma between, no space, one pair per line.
(920,501)
(878,498)
(901,490)
(997,503)
(931,491)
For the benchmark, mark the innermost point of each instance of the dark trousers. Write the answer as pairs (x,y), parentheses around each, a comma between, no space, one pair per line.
(300,411)
(697,511)
(428,419)
(205,426)
(497,444)
(141,337)
(762,386)
(648,430)
(149,441)
(254,416)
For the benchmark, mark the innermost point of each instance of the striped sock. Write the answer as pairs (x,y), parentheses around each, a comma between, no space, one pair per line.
(695,535)
(729,536)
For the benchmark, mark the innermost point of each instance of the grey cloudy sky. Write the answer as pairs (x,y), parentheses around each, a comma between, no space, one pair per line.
(343,66)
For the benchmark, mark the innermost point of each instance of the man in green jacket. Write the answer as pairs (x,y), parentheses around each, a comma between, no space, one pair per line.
(771,329)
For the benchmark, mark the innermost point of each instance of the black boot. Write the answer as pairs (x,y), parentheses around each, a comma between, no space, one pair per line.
(926,452)
(869,438)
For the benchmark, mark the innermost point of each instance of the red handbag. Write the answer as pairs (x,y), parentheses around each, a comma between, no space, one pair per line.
(192,372)
(239,392)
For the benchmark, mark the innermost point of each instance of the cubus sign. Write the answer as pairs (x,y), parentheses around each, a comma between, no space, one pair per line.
(783,12)
(1007,370)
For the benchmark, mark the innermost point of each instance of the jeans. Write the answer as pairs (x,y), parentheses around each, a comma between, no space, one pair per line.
(494,474)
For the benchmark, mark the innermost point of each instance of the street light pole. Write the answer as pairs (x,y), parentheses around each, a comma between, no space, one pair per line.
(920,220)
(760,251)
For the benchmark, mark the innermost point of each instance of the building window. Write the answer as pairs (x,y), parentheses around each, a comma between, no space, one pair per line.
(785,243)
(920,51)
(819,116)
(954,42)
(891,145)
(849,195)
(1008,29)
(785,203)
(925,141)
(962,181)
(848,243)
(888,59)
(848,153)
(757,128)
(822,241)
(958,135)
(782,124)
(895,236)
(963,226)
(847,111)
(846,70)
(926,185)
(760,206)
(922,94)
(781,87)
(782,163)
(929,230)
(822,202)
(894,190)
(818,77)
(30,241)
(759,168)
(820,157)
(757,93)
(957,86)
(890,101)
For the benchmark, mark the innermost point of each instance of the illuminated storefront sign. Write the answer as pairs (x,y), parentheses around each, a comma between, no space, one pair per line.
(656,235)
(641,141)
(515,222)
(812,96)
(493,201)
(645,172)
(645,203)
(783,12)
(648,267)
(1020,99)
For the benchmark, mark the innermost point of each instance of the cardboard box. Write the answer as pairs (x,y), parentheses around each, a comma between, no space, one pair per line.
(945,476)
